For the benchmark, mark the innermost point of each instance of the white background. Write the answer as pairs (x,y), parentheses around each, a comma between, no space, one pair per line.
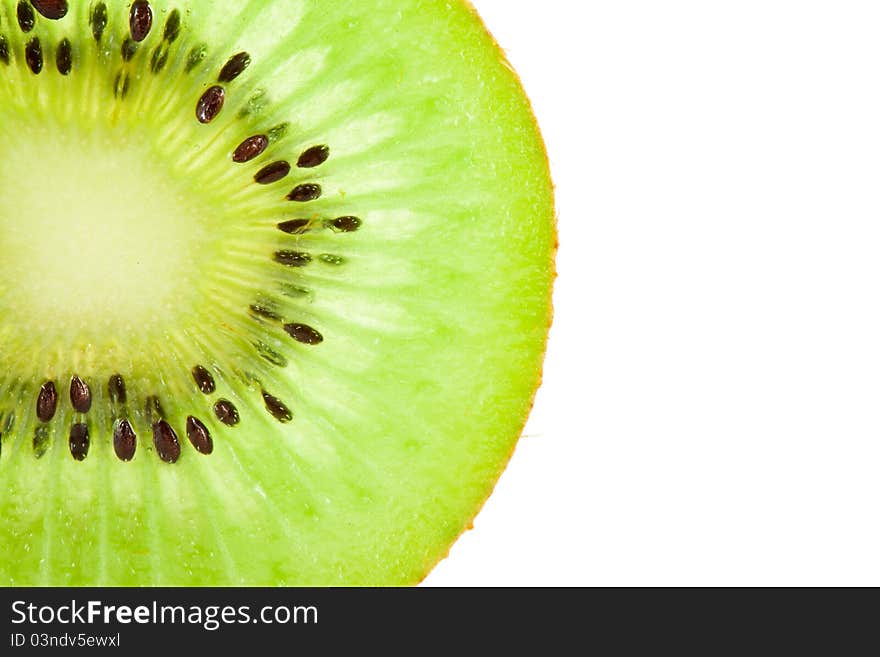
(711,407)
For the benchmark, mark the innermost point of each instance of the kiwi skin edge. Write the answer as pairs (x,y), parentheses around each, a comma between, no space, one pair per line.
(554,219)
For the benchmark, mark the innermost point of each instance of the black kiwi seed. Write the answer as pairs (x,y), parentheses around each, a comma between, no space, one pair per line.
(153,409)
(120,85)
(304,333)
(4,49)
(265,313)
(159,58)
(226,412)
(124,440)
(98,21)
(165,440)
(47,401)
(196,56)
(277,408)
(345,224)
(79,441)
(26,18)
(41,440)
(172,27)
(116,388)
(64,57)
(292,258)
(294,226)
(203,379)
(33,55)
(199,435)
(210,104)
(272,172)
(304,193)
(250,148)
(140,20)
(51,9)
(128,49)
(234,67)
(312,157)
(80,395)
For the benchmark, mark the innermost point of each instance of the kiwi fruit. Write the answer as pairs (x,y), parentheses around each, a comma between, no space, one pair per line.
(275,288)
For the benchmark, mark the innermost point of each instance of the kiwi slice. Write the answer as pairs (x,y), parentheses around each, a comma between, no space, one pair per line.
(274,292)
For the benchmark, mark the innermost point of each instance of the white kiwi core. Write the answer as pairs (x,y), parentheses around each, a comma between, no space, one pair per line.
(99,233)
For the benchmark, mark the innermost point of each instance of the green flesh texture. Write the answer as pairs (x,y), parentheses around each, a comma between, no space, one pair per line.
(134,245)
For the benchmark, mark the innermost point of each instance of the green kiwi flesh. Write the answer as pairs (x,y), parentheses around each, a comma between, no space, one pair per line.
(274,291)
